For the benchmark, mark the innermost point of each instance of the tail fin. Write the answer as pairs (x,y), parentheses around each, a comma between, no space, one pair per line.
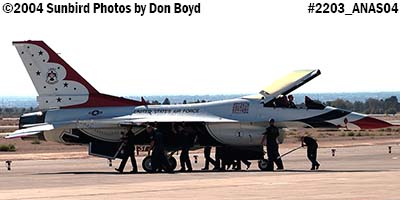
(58,85)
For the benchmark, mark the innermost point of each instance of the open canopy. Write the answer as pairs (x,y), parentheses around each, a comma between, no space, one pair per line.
(286,84)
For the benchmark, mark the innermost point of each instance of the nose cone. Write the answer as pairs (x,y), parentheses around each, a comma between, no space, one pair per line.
(371,123)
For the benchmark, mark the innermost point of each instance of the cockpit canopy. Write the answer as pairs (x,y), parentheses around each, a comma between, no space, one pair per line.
(283,102)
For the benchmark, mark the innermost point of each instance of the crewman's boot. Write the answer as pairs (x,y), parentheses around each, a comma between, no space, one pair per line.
(313,167)
(118,170)
(279,164)
(248,166)
(134,171)
(317,166)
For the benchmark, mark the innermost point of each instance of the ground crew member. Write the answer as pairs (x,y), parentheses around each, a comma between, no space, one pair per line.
(207,153)
(219,162)
(159,160)
(269,139)
(128,150)
(312,147)
(291,104)
(187,142)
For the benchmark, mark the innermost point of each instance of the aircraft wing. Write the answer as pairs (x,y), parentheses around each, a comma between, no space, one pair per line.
(286,84)
(32,130)
(181,118)
(129,120)
(112,122)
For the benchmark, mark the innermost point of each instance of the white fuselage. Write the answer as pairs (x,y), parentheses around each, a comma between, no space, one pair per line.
(235,122)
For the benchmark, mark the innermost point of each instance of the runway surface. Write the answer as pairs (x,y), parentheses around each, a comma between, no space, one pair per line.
(367,172)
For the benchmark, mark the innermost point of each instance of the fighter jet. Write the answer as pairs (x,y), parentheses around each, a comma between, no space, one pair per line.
(72,111)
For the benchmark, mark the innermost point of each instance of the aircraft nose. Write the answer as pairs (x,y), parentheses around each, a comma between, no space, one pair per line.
(371,123)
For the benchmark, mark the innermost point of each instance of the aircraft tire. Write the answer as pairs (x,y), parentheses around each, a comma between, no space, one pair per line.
(146,164)
(263,164)
(172,163)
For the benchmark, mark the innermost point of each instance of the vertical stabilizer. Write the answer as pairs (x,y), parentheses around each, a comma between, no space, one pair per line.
(57,83)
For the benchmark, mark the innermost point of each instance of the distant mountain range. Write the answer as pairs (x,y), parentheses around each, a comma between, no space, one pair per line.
(12,101)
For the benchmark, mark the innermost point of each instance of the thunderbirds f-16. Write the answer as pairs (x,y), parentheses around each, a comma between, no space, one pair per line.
(72,111)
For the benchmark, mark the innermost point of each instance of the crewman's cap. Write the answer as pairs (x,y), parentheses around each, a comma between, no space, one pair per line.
(271,120)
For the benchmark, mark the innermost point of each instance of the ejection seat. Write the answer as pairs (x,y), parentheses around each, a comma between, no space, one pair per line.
(311,104)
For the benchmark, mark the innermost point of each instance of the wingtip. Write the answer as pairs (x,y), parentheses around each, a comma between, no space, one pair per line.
(6,135)
(26,42)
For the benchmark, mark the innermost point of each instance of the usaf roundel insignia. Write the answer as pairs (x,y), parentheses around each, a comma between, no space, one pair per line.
(51,77)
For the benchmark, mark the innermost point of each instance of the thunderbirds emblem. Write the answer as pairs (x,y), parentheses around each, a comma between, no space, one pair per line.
(52,76)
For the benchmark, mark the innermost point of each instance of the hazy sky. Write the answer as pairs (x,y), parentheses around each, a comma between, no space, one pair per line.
(230,47)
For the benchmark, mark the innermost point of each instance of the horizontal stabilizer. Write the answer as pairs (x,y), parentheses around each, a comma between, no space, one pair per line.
(30,131)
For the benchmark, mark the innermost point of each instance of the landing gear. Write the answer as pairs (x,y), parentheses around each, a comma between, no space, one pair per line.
(172,163)
(146,163)
(263,165)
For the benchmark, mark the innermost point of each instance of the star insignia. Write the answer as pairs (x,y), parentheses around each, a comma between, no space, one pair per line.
(59,99)
(40,53)
(95,112)
(65,84)
(38,73)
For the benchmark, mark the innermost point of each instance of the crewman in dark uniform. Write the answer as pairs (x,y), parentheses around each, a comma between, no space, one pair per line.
(312,147)
(207,153)
(269,139)
(159,160)
(187,142)
(128,150)
(291,104)
(218,158)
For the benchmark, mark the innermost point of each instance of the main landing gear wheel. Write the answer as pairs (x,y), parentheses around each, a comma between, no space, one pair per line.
(146,164)
(263,164)
(172,163)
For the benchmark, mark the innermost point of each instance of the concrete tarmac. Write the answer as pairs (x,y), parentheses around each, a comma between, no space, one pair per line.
(365,172)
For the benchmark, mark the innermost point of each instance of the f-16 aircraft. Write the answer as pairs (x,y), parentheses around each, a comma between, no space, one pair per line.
(72,111)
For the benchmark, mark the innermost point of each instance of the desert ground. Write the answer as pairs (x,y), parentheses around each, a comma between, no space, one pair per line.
(359,172)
